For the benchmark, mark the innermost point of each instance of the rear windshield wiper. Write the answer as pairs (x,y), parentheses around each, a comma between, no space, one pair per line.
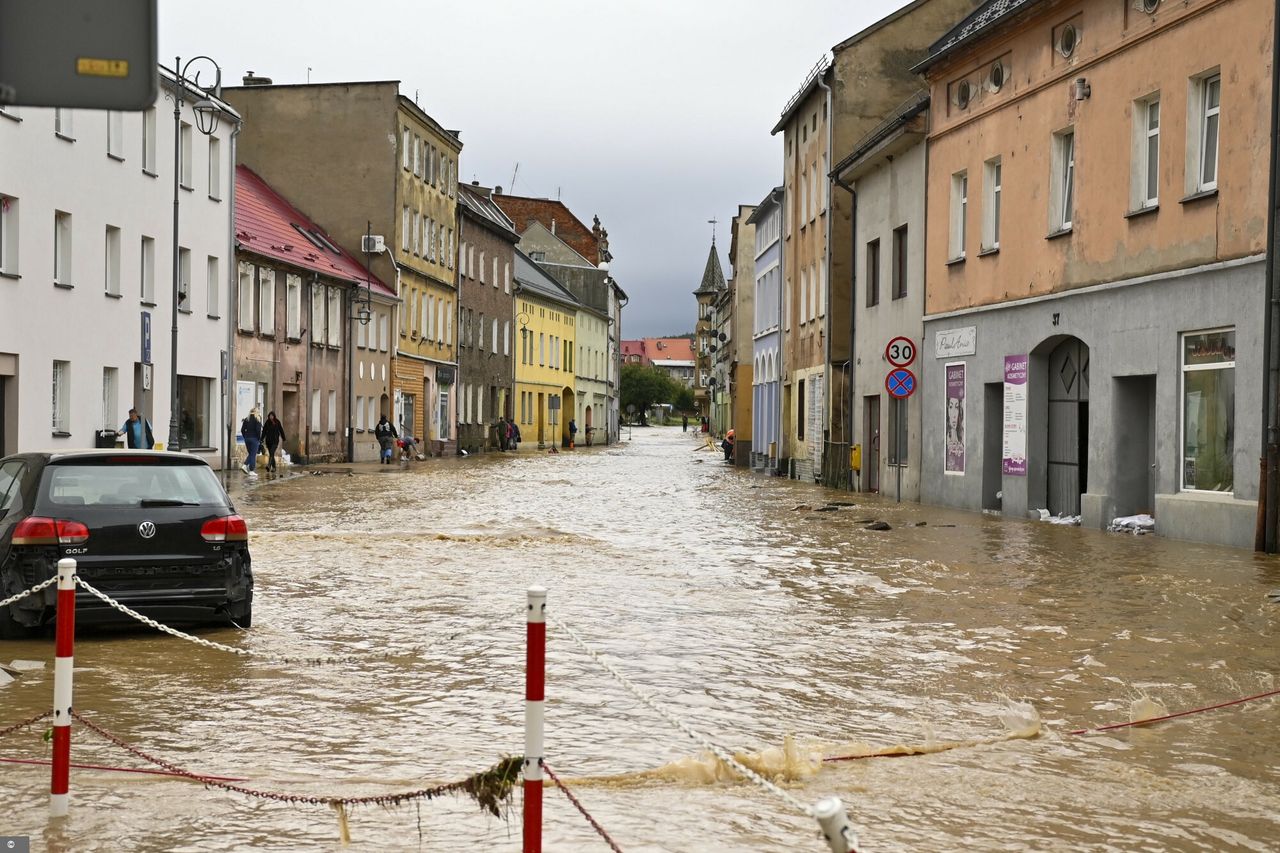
(149,502)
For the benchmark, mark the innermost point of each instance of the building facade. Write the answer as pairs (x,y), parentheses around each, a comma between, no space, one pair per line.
(486,356)
(766,337)
(742,257)
(87,246)
(404,193)
(886,172)
(547,320)
(1095,261)
(706,333)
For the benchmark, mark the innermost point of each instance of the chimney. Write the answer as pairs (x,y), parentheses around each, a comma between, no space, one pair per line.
(474,182)
(250,79)
(497,190)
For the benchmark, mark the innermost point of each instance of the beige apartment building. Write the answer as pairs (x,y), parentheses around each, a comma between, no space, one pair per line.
(390,171)
(1095,262)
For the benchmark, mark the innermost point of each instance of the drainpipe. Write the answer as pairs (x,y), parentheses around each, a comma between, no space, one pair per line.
(1269,487)
(233,302)
(459,222)
(826,276)
(853,300)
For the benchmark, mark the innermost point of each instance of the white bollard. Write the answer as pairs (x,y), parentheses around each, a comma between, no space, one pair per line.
(835,824)
(534,695)
(59,783)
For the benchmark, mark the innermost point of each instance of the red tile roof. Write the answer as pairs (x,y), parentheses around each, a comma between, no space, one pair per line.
(268,225)
(660,349)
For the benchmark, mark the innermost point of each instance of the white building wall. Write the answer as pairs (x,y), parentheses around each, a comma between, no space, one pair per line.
(78,321)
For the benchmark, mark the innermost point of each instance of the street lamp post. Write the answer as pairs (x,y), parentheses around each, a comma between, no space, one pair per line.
(363,308)
(206,114)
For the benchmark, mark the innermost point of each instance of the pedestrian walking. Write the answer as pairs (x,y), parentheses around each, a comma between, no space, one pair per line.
(137,432)
(272,437)
(500,430)
(251,432)
(684,423)
(386,435)
(573,432)
(515,435)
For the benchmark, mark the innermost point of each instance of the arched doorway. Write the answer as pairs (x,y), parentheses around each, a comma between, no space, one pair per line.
(587,424)
(566,415)
(1068,426)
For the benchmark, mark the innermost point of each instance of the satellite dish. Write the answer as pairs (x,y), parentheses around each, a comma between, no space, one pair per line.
(723,337)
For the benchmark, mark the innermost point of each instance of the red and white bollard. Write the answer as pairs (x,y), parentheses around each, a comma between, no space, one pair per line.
(59,783)
(535,677)
(835,824)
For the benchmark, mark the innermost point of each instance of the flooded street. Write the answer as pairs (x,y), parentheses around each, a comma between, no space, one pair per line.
(749,615)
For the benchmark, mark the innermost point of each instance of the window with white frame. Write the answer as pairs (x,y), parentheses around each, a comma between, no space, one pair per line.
(63,123)
(315,410)
(417,155)
(1208,410)
(8,235)
(1146,153)
(373,412)
(185,164)
(149,141)
(317,315)
(215,168)
(1062,195)
(115,134)
(266,301)
(405,137)
(62,248)
(448,324)
(462,262)
(815,293)
(404,229)
(293,305)
(495,335)
(814,199)
(334,337)
(1202,147)
(414,230)
(482,279)
(804,296)
(61,408)
(184,280)
(506,337)
(802,209)
(506,277)
(495,272)
(992,185)
(147,271)
(359,414)
(333,411)
(440,319)
(111,262)
(110,398)
(959,214)
(384,336)
(213,288)
(244,298)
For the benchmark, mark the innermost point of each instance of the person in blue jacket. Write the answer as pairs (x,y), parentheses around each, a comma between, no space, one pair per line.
(137,432)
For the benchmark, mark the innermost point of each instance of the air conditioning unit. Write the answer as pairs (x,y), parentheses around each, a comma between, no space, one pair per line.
(373,244)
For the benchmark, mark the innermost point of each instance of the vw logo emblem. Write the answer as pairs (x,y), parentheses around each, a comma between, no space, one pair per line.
(147,529)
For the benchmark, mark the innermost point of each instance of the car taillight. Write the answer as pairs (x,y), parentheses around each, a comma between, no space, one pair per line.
(37,530)
(230,528)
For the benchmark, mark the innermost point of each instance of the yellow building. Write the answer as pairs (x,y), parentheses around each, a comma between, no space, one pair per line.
(546,318)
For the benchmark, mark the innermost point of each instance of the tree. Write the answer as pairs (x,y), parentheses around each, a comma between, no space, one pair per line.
(684,401)
(642,387)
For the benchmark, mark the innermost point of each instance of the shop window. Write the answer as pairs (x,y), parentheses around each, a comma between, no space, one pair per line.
(1208,410)
(194,420)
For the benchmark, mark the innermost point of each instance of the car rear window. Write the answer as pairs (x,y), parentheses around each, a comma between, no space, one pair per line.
(129,485)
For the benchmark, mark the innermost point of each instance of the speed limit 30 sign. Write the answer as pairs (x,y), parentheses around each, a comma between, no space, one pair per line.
(900,352)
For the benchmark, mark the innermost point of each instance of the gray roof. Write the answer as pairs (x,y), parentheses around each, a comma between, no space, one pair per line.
(818,72)
(536,280)
(478,203)
(713,275)
(771,200)
(978,22)
(907,110)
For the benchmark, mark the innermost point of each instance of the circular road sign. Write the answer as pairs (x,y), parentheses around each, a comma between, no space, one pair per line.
(900,383)
(900,352)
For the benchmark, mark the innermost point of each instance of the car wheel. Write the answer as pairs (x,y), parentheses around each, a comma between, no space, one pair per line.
(11,629)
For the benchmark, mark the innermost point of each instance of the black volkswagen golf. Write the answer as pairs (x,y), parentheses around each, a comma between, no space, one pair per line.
(155,531)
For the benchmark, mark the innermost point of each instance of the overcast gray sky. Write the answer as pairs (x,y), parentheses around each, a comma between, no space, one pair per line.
(654,115)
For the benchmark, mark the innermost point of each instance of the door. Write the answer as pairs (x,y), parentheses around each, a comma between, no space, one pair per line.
(1068,426)
(992,444)
(871,451)
(291,415)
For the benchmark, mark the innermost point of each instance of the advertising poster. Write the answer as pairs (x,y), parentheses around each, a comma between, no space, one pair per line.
(1014,457)
(955,417)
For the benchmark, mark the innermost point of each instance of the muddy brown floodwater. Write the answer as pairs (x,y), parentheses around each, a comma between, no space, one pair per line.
(755,619)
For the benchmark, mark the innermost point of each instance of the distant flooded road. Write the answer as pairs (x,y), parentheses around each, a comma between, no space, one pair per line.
(750,614)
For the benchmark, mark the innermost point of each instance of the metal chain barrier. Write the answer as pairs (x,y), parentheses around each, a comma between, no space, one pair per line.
(487,788)
(249,653)
(30,721)
(600,830)
(647,700)
(37,588)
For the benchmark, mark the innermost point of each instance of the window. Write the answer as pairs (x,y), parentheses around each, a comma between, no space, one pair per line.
(266,301)
(495,272)
(215,168)
(62,248)
(110,397)
(959,213)
(212,287)
(800,410)
(61,398)
(147,271)
(444,321)
(899,262)
(383,336)
(244,299)
(334,337)
(804,296)
(62,123)
(1146,154)
(359,415)
(184,280)
(293,306)
(115,134)
(444,414)
(815,294)
(185,136)
(495,335)
(802,210)
(404,229)
(992,178)
(333,411)
(404,148)
(482,281)
(1206,94)
(1064,179)
(8,235)
(414,231)
(1208,410)
(149,141)
(873,273)
(111,262)
(897,444)
(315,410)
(417,155)
(542,349)
(813,192)
(506,277)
